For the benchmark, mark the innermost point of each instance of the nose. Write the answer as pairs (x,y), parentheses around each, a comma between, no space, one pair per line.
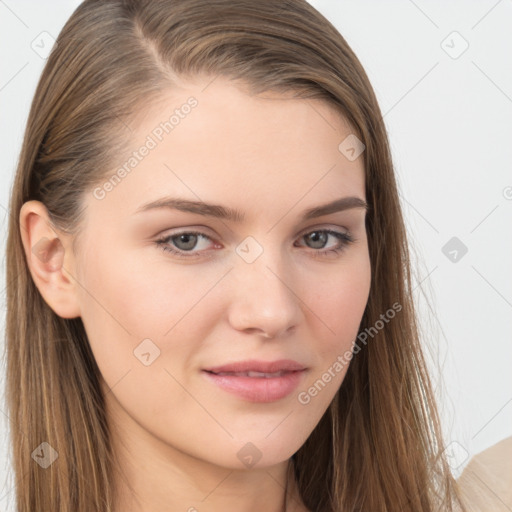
(264,301)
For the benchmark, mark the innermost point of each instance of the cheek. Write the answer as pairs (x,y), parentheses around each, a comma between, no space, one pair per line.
(340,303)
(141,297)
(125,303)
(340,300)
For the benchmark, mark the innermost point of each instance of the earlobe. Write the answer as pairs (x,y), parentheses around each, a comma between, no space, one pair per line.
(49,259)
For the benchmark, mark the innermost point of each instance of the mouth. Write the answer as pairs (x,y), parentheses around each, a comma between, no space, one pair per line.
(258,367)
(258,375)
(258,381)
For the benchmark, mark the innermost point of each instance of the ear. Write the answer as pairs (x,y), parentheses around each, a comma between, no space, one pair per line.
(50,259)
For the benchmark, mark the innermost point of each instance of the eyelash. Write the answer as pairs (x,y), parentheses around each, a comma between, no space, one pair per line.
(345,239)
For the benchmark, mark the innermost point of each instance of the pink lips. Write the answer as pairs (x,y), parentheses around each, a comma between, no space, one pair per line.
(258,381)
(258,366)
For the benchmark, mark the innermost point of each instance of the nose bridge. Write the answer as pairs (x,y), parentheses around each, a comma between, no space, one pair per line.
(261,263)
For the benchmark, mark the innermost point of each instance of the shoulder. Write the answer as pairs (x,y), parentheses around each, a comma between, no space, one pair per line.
(486,482)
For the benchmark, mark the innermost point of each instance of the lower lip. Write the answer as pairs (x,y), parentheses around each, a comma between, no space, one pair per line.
(258,389)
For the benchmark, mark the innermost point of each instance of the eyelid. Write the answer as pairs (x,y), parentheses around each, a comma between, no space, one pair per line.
(197,228)
(206,231)
(344,239)
(322,227)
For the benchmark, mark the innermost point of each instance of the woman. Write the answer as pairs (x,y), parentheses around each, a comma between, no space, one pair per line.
(213,306)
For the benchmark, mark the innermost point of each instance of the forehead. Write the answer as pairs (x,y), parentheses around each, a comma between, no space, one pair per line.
(216,142)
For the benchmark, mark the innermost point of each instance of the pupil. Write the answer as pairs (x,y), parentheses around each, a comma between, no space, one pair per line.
(191,241)
(318,236)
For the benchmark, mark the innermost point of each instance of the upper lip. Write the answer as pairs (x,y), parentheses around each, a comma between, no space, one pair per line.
(258,366)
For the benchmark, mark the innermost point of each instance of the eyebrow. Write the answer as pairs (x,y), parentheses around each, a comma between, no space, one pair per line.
(230,214)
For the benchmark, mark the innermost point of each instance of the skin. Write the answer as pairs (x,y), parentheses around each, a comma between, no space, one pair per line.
(178,435)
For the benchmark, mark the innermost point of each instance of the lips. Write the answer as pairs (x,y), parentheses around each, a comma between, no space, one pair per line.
(266,368)
(261,375)
(258,381)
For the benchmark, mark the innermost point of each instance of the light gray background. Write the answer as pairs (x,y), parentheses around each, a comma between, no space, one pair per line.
(449,119)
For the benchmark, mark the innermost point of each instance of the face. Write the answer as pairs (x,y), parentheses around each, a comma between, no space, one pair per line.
(169,294)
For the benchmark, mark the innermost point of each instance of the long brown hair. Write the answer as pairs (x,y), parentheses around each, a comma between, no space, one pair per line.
(378,447)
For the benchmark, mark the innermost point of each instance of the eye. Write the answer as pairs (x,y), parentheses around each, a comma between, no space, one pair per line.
(319,237)
(186,241)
